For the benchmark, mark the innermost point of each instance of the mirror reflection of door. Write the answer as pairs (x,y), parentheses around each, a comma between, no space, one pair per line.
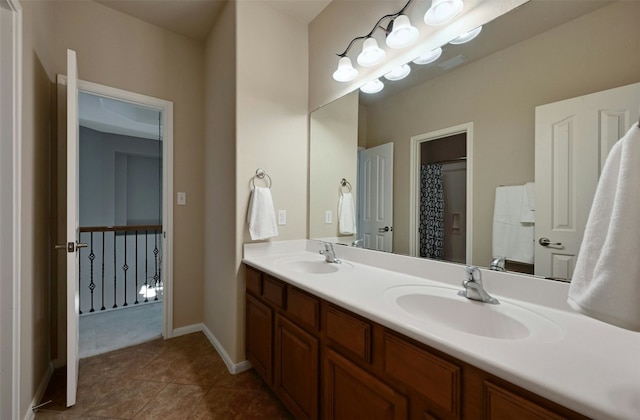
(573,138)
(375,197)
(443,198)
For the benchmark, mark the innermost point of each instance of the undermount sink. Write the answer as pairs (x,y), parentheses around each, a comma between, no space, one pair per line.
(311,265)
(442,306)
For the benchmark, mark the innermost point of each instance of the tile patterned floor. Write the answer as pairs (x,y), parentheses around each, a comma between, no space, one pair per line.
(181,378)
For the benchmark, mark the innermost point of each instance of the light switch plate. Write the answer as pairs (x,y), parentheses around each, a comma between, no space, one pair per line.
(282,217)
(182,198)
(328,216)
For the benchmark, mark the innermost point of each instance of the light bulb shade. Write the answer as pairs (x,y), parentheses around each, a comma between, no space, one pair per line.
(345,71)
(371,53)
(466,37)
(402,33)
(429,57)
(373,86)
(398,73)
(442,11)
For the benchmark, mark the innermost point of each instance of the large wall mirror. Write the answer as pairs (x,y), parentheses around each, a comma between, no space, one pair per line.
(493,92)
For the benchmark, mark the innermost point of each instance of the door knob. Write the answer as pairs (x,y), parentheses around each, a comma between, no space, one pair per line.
(70,246)
(384,229)
(547,242)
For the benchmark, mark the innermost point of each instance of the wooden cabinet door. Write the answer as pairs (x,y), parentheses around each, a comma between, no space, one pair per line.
(352,393)
(296,365)
(259,337)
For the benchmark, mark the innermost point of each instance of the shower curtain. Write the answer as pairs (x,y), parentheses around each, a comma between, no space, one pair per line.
(431,212)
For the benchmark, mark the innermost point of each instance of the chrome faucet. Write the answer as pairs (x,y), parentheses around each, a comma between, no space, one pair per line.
(497,264)
(358,243)
(473,287)
(329,254)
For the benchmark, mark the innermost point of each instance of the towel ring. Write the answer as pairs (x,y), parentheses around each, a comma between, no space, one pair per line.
(344,183)
(260,174)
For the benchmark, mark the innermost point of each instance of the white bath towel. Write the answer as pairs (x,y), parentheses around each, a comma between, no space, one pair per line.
(528,211)
(346,214)
(606,280)
(512,239)
(261,216)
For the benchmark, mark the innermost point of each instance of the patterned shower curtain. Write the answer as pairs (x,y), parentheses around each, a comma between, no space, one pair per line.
(431,212)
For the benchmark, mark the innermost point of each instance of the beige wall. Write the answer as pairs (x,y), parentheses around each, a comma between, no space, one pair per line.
(597,52)
(123,52)
(35,267)
(334,156)
(256,106)
(222,289)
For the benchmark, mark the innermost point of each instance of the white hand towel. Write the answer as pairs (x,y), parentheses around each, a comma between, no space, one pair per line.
(606,280)
(346,214)
(511,238)
(261,216)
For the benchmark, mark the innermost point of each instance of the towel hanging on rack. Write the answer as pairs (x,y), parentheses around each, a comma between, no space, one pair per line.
(261,216)
(346,214)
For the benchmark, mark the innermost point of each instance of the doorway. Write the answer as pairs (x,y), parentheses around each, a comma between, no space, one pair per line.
(441,196)
(125,218)
(120,218)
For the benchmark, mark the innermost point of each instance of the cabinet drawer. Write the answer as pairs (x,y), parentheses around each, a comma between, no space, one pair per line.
(254,281)
(304,308)
(503,404)
(273,291)
(349,333)
(432,377)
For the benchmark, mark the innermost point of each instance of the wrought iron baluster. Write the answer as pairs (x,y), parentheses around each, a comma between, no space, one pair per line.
(102,279)
(136,291)
(125,268)
(92,285)
(146,265)
(156,278)
(79,281)
(115,271)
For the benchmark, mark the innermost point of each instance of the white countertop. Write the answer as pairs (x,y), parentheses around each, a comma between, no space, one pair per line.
(583,364)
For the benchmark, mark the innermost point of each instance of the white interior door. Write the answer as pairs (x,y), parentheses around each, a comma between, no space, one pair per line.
(375,197)
(72,232)
(573,138)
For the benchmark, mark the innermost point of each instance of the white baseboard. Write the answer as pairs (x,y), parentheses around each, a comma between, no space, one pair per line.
(30,414)
(234,368)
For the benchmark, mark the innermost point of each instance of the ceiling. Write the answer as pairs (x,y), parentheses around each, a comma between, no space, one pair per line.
(195,18)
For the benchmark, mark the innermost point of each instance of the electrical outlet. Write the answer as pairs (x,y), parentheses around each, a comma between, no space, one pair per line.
(328,216)
(182,198)
(282,217)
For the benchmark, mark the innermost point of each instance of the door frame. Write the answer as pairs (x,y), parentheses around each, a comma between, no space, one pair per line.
(11,209)
(414,185)
(166,108)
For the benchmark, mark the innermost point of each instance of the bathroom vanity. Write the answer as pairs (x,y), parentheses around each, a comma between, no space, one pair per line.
(362,339)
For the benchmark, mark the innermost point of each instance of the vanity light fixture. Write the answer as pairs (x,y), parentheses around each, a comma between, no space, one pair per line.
(373,86)
(466,37)
(429,56)
(401,33)
(442,11)
(398,73)
(371,53)
(345,71)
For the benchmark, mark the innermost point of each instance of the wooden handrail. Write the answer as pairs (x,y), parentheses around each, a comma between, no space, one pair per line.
(120,228)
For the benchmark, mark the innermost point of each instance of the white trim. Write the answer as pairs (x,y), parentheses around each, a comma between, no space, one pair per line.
(12,242)
(166,107)
(414,184)
(234,368)
(42,387)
